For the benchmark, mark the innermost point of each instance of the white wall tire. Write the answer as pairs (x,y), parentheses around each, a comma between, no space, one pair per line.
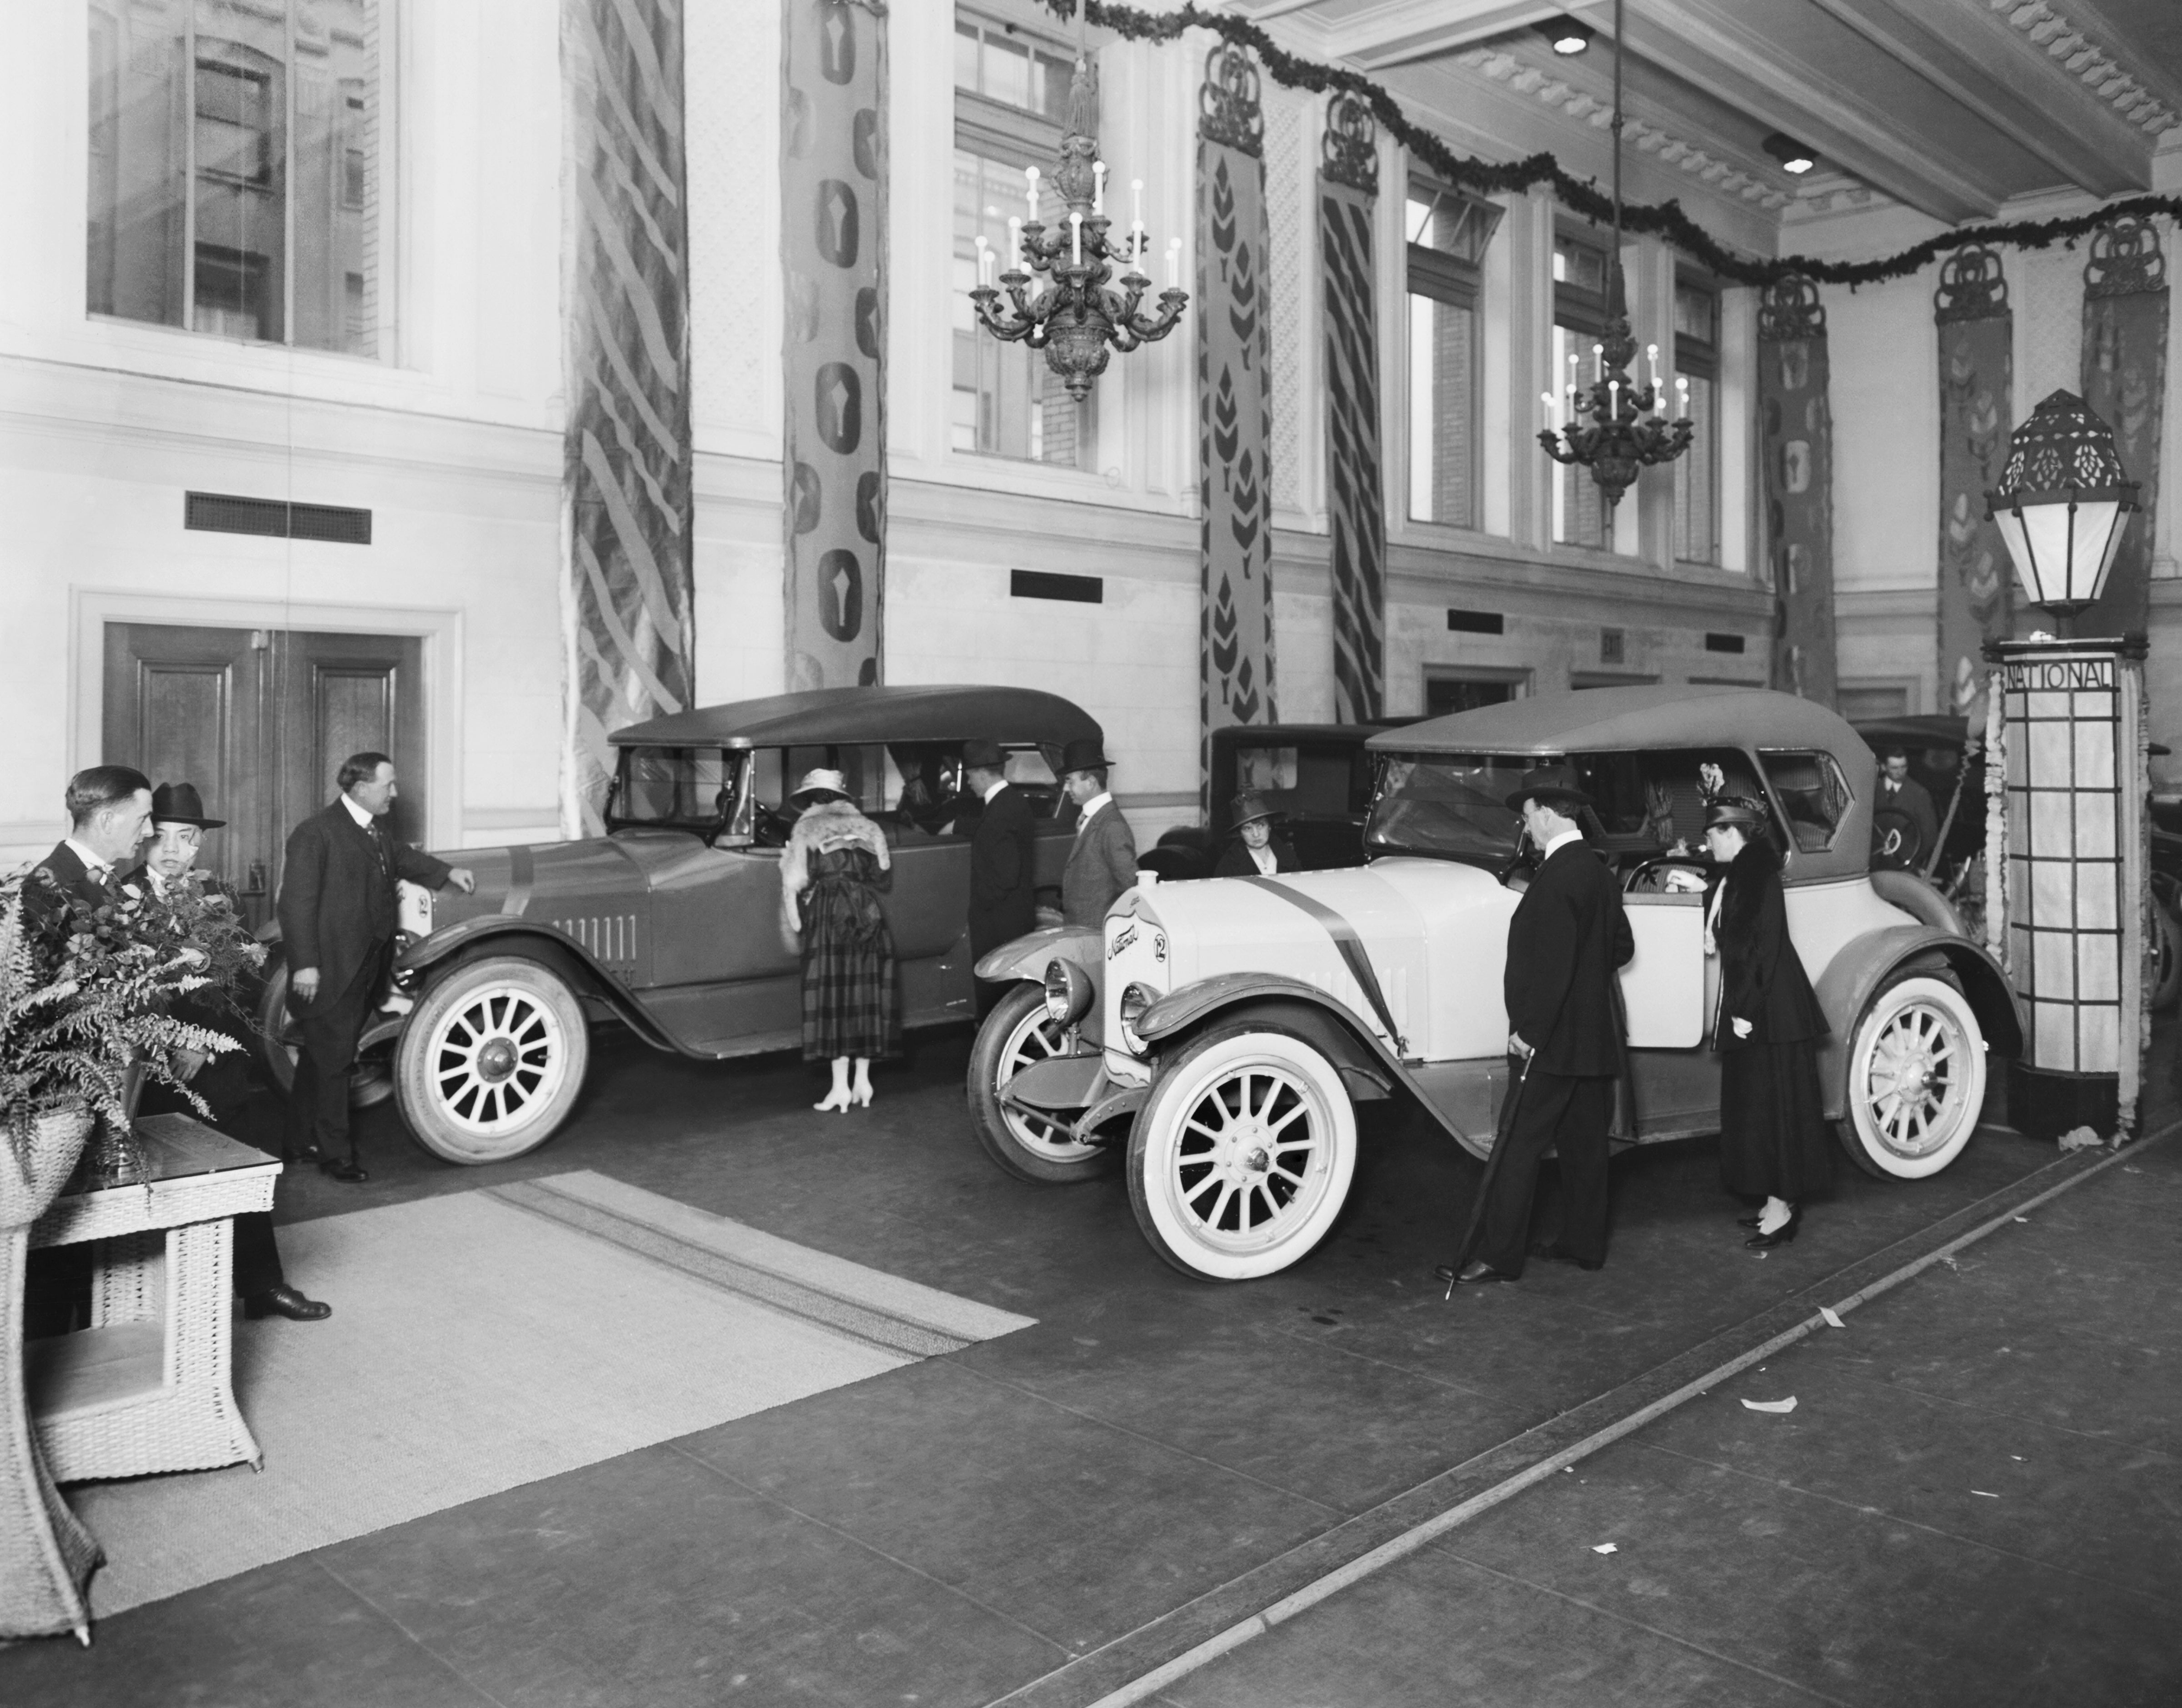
(492,1060)
(1916,1079)
(1017,1034)
(1241,1158)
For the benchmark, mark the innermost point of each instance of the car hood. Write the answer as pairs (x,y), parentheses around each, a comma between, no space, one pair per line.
(544,881)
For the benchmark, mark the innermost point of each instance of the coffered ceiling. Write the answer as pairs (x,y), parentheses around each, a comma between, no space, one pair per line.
(1950,107)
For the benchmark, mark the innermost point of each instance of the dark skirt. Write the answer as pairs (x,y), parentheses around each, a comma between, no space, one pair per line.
(1773,1137)
(850,1004)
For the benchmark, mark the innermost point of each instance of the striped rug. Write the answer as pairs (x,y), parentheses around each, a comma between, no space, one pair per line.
(490,1338)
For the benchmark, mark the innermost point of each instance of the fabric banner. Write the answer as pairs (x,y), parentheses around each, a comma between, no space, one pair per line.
(1348,185)
(1977,578)
(626,587)
(1795,422)
(2125,385)
(1234,404)
(833,240)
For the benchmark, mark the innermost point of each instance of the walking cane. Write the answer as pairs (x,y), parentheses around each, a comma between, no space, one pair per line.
(1501,1130)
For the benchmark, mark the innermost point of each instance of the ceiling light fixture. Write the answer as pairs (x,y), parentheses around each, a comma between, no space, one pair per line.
(1568,34)
(1794,158)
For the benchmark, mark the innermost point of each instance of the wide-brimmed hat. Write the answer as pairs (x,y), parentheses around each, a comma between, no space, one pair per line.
(982,755)
(820,781)
(1552,785)
(178,802)
(1735,809)
(1248,807)
(1086,753)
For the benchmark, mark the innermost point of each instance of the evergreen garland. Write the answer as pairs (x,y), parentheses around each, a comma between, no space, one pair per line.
(1664,220)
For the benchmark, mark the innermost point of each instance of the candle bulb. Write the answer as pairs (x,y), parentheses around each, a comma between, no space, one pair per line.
(1682,395)
(1030,174)
(1553,416)
(1015,241)
(1136,204)
(1076,239)
(984,261)
(1173,263)
(1098,186)
(1597,362)
(1613,399)
(1651,355)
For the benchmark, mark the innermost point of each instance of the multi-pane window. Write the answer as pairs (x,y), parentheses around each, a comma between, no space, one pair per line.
(1697,471)
(234,179)
(1448,233)
(1010,97)
(1581,516)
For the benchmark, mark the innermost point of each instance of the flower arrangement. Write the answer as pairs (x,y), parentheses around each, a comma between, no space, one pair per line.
(88,991)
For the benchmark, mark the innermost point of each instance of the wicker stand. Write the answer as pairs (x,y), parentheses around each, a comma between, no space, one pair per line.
(46,1556)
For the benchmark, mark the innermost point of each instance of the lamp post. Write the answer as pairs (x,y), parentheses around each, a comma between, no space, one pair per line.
(2067,844)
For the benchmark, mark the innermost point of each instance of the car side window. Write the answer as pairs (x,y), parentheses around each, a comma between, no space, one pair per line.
(1813,796)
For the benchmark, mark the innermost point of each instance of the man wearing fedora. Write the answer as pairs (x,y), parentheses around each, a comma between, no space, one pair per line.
(1253,850)
(1102,862)
(179,824)
(1567,938)
(1003,861)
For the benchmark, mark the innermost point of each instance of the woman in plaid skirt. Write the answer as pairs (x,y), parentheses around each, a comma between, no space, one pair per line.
(831,879)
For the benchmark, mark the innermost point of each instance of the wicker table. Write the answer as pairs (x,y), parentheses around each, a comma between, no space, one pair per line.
(147,1387)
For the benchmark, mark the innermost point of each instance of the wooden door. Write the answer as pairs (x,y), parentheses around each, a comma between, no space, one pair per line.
(345,693)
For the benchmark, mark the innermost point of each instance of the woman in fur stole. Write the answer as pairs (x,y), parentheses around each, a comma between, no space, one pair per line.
(1772,1139)
(831,878)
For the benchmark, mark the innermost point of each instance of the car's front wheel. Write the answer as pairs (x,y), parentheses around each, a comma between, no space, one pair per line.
(1916,1079)
(492,1060)
(1016,1034)
(1241,1156)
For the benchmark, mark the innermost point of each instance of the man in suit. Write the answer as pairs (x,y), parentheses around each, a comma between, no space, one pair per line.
(1102,863)
(179,824)
(1003,866)
(338,911)
(1568,936)
(1901,793)
(109,808)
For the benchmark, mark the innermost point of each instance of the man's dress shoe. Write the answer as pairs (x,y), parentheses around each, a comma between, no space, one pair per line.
(309,1153)
(351,1173)
(1561,1254)
(1472,1274)
(284,1301)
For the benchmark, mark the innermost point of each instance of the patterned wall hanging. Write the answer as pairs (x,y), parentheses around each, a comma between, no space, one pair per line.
(1348,186)
(626,589)
(833,240)
(1794,424)
(2124,383)
(1234,402)
(1976,337)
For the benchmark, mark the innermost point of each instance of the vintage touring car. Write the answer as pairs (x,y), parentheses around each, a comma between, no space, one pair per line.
(1229,1028)
(668,923)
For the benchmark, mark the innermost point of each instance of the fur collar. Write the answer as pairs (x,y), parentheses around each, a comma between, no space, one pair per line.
(830,825)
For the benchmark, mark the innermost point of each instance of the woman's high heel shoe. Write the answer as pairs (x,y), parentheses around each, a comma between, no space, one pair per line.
(1781,1235)
(835,1102)
(860,1097)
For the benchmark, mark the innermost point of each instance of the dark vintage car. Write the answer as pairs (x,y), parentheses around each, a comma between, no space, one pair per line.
(667,924)
(1315,777)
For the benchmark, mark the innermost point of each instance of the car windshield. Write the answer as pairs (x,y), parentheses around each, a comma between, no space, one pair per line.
(680,787)
(1452,805)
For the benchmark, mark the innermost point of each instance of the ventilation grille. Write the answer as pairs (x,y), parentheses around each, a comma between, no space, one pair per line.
(220,512)
(1044,584)
(1723,642)
(1476,622)
(610,939)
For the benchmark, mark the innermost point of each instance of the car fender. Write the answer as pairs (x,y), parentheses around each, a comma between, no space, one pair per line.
(1857,971)
(505,934)
(1025,957)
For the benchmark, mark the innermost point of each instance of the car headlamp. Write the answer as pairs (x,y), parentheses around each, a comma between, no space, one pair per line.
(1068,992)
(1135,1000)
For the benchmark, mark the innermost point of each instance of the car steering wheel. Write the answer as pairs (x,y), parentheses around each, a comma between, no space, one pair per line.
(769,827)
(1635,879)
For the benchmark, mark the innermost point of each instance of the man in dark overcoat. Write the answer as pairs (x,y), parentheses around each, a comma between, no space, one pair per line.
(1901,793)
(1568,937)
(339,908)
(1102,861)
(1003,861)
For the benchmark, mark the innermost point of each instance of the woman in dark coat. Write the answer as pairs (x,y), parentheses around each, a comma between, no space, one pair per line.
(1773,1140)
(831,877)
(1253,850)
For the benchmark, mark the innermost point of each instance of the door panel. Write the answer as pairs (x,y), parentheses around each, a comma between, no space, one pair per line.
(345,693)
(1664,986)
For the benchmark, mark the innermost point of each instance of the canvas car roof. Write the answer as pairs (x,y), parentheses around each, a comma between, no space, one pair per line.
(1620,720)
(829,716)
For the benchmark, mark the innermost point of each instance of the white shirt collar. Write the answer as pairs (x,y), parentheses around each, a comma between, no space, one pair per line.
(360,815)
(1566,835)
(1263,859)
(1093,807)
(159,884)
(994,790)
(96,865)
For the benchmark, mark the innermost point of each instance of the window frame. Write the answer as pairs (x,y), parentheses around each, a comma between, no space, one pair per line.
(1700,359)
(1582,311)
(1455,281)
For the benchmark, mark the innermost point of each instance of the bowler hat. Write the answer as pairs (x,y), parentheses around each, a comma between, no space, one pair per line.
(178,802)
(982,755)
(1086,753)
(1549,785)
(1248,807)
(820,782)
(1734,809)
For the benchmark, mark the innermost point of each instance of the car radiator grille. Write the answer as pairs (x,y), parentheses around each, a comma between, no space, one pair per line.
(609,937)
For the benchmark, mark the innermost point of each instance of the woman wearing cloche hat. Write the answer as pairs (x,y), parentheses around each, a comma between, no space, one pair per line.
(831,878)
(1253,850)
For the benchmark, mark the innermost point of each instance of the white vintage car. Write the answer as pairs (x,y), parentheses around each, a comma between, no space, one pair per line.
(1234,1024)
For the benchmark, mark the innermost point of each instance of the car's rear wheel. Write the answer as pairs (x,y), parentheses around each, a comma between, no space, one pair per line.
(2167,963)
(280,1040)
(1916,1078)
(1241,1158)
(492,1060)
(1016,1034)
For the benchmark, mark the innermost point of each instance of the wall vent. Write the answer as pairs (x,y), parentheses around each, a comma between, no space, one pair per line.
(1044,584)
(1724,643)
(221,512)
(1476,622)
(1613,644)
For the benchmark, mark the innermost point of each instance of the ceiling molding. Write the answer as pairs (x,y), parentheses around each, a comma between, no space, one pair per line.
(2088,61)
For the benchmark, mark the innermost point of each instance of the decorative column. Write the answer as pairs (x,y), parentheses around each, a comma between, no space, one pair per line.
(2125,384)
(1795,433)
(1348,186)
(1234,403)
(1976,363)
(834,224)
(626,593)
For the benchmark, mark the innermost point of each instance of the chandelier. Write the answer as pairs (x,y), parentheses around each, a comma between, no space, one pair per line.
(1614,428)
(1075,315)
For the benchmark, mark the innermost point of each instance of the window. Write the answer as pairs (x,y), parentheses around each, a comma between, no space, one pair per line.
(1697,471)
(1811,795)
(1581,516)
(1446,694)
(1447,234)
(235,181)
(1011,95)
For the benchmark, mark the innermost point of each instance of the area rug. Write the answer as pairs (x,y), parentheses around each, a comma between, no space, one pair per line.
(488,1338)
